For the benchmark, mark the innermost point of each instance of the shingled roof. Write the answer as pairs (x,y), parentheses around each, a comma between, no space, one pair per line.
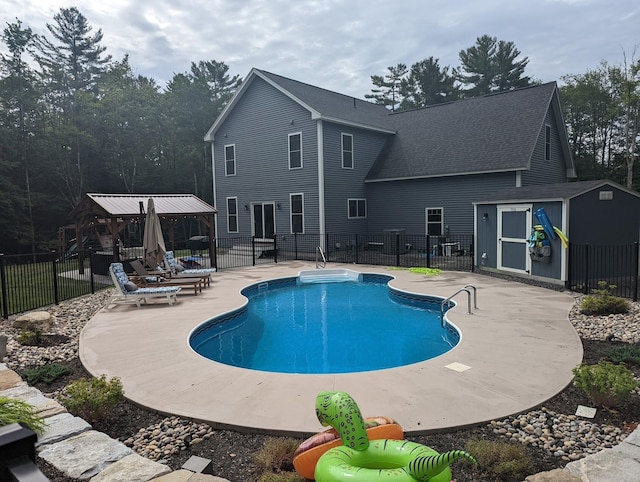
(492,133)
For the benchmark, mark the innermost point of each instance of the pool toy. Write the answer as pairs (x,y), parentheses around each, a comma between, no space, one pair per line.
(309,452)
(541,214)
(361,460)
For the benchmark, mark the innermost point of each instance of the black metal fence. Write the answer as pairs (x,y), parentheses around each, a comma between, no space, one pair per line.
(615,265)
(29,281)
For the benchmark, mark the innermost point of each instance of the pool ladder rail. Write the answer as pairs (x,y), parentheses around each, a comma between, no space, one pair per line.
(466,289)
(320,256)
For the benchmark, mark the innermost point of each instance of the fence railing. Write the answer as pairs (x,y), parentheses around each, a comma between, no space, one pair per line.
(31,281)
(616,265)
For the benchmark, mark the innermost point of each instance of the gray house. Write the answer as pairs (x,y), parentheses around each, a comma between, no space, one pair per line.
(289,157)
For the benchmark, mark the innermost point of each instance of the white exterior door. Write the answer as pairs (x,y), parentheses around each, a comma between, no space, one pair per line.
(514,228)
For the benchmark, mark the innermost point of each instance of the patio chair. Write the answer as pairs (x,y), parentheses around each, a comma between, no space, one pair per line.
(156,268)
(145,278)
(129,292)
(175,267)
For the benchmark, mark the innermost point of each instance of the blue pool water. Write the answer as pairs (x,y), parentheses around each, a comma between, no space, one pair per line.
(335,327)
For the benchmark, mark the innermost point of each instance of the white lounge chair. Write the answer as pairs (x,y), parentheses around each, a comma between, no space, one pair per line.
(174,266)
(128,292)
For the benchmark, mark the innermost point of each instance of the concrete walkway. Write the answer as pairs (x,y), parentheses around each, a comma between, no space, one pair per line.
(517,351)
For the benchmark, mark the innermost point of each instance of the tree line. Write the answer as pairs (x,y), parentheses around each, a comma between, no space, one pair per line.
(74,120)
(601,107)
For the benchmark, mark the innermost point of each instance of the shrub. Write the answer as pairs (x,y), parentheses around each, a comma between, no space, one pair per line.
(276,455)
(17,411)
(501,460)
(92,398)
(625,354)
(30,338)
(47,374)
(602,302)
(605,384)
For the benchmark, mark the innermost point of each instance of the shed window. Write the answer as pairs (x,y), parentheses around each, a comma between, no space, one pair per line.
(357,208)
(295,150)
(230,159)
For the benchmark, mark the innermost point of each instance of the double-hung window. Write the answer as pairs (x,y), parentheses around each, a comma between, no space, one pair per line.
(295,150)
(296,205)
(230,160)
(232,214)
(357,208)
(435,220)
(347,151)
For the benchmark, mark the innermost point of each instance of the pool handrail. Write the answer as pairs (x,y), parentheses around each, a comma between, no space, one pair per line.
(324,259)
(466,289)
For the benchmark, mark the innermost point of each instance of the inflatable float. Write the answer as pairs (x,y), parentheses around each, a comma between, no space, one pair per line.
(360,460)
(309,452)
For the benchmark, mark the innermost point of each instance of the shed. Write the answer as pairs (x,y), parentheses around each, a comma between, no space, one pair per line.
(116,211)
(598,212)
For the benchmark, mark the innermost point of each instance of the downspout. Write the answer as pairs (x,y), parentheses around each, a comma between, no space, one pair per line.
(321,209)
(213,181)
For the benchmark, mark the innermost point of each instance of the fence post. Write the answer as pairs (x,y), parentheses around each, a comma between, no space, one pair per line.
(275,248)
(355,249)
(295,245)
(397,249)
(3,279)
(586,269)
(93,284)
(472,247)
(54,262)
(636,260)
(428,252)
(253,250)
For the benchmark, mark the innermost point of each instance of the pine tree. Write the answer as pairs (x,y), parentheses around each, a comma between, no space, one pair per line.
(387,91)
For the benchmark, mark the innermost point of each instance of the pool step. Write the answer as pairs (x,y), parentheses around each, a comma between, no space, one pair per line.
(328,276)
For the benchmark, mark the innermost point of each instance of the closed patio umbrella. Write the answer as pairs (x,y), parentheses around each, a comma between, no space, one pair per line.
(153,241)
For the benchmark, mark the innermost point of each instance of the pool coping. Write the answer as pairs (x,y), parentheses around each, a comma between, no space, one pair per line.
(519,345)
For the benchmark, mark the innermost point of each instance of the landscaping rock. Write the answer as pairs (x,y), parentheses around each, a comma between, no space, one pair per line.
(61,426)
(85,455)
(44,407)
(36,320)
(10,379)
(606,465)
(132,468)
(556,475)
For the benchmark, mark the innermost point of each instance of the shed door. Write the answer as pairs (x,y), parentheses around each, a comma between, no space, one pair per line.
(514,227)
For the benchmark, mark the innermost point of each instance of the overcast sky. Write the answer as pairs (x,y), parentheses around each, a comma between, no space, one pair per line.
(339,44)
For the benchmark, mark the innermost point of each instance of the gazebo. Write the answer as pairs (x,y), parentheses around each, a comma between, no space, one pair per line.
(115,211)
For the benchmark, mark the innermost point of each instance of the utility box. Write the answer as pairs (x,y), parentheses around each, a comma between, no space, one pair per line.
(395,241)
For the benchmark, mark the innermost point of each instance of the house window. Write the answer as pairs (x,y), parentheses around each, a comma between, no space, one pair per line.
(347,151)
(435,221)
(547,143)
(296,204)
(357,208)
(232,214)
(295,150)
(230,160)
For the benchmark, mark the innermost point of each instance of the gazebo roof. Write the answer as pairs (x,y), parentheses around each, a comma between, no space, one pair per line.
(135,205)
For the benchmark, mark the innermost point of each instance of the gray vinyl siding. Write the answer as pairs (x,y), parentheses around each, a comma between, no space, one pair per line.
(597,222)
(401,204)
(342,184)
(542,171)
(259,126)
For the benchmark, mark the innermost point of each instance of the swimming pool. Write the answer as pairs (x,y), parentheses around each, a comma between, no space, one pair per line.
(321,322)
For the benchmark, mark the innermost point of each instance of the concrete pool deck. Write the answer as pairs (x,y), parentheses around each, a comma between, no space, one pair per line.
(518,349)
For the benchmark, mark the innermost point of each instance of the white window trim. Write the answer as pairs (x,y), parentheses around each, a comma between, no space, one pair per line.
(357,199)
(289,150)
(291,213)
(229,215)
(235,164)
(342,136)
(426,220)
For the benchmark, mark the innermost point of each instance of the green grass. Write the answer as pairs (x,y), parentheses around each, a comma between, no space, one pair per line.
(31,286)
(423,271)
